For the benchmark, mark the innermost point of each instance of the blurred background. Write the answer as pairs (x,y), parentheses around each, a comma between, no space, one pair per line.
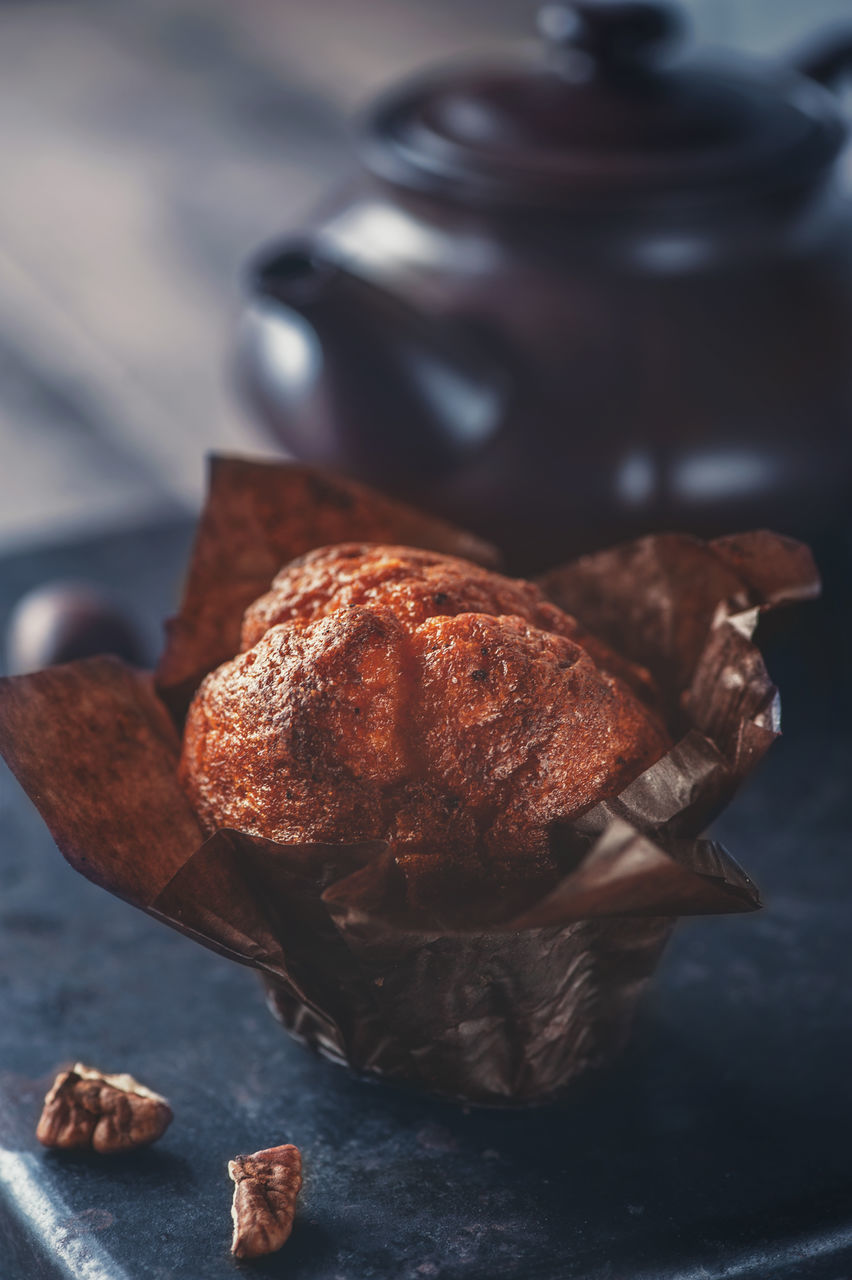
(148,148)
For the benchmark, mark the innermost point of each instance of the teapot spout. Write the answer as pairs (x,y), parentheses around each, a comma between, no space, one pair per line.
(346,374)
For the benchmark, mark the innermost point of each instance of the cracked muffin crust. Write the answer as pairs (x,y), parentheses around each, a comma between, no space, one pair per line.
(388,693)
(417,584)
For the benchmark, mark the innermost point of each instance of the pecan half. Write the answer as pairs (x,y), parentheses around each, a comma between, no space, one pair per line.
(86,1108)
(267,1184)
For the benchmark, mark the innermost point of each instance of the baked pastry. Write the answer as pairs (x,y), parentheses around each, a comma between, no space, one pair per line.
(499,999)
(397,694)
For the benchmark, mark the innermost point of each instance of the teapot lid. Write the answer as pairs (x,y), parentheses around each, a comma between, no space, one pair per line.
(601,117)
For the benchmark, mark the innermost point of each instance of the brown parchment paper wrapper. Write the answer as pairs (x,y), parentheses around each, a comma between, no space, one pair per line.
(508,1011)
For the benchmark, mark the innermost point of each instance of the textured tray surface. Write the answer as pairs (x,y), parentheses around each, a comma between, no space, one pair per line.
(719,1147)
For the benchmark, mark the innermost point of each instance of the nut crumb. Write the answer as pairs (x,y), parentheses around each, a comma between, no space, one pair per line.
(267,1184)
(86,1108)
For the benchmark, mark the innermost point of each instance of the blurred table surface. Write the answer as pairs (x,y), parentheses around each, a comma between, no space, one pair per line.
(147,147)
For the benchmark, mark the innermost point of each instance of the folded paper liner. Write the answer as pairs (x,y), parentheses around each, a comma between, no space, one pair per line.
(510,1011)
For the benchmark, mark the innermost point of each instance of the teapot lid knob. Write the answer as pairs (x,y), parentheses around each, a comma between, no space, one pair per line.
(611,31)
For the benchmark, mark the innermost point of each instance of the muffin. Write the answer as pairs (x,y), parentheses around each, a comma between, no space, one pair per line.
(389,693)
(448,817)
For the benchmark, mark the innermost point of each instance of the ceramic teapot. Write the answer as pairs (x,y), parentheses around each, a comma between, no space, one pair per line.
(577,294)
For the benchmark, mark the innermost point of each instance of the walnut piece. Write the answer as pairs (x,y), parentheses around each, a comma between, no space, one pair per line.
(86,1108)
(267,1184)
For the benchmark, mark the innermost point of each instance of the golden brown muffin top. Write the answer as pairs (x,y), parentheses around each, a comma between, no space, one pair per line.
(416,584)
(397,694)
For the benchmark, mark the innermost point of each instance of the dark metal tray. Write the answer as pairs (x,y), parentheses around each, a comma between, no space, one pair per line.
(718,1147)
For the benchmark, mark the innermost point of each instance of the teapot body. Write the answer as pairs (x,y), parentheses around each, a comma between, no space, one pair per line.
(663,372)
